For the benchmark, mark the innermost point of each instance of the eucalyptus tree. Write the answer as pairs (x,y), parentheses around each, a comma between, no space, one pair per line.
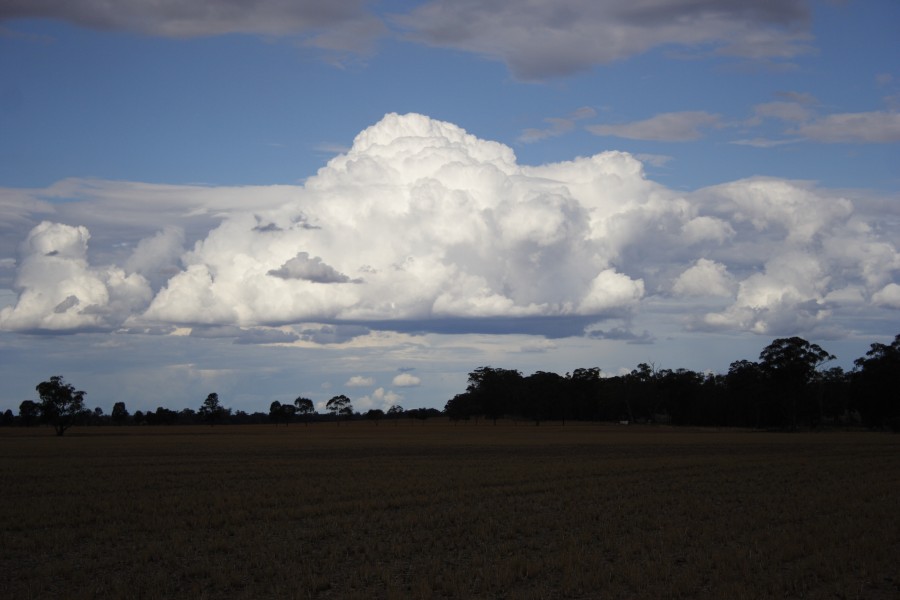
(340,407)
(304,408)
(61,404)
(791,367)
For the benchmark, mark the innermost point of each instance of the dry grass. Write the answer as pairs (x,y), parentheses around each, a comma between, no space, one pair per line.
(435,510)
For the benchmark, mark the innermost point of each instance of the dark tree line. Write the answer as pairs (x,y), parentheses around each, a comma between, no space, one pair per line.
(787,388)
(62,406)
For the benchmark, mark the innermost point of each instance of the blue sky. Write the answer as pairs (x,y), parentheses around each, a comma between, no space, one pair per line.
(167,172)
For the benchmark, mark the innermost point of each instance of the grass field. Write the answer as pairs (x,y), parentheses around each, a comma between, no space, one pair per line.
(434,510)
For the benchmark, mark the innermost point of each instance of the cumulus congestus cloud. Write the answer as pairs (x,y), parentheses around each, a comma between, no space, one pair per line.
(418,220)
(60,291)
(421,226)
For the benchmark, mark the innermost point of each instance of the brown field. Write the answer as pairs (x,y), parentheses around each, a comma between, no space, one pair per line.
(434,510)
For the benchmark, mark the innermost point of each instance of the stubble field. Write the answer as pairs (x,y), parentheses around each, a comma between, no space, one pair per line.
(435,510)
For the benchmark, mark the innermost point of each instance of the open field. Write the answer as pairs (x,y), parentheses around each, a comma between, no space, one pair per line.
(432,510)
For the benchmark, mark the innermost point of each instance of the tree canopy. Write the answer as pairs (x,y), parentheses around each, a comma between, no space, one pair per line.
(61,404)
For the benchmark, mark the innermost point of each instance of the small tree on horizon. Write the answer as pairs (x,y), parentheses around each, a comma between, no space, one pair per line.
(119,413)
(305,408)
(29,412)
(61,404)
(211,411)
(340,406)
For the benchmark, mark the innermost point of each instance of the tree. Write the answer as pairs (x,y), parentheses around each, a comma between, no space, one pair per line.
(496,390)
(395,412)
(119,413)
(275,414)
(305,408)
(375,414)
(29,412)
(61,404)
(211,411)
(340,406)
(791,365)
(282,413)
(287,413)
(875,382)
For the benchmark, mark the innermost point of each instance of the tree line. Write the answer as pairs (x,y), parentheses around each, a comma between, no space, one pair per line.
(787,388)
(61,406)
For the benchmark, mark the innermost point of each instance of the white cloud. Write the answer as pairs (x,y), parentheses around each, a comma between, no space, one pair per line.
(59,291)
(418,220)
(406,380)
(360,381)
(704,278)
(547,39)
(666,127)
(421,227)
(157,257)
(380,398)
(889,296)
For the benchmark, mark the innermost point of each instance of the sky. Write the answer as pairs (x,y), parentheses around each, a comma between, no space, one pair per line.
(270,200)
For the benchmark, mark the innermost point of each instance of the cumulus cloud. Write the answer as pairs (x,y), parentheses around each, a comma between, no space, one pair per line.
(666,127)
(406,380)
(381,399)
(360,381)
(157,257)
(421,227)
(889,296)
(538,40)
(60,291)
(419,220)
(704,278)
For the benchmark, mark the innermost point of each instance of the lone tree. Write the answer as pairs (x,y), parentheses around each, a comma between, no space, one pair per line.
(305,408)
(212,411)
(340,406)
(60,403)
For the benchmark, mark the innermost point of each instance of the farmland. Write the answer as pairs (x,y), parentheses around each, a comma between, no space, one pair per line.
(434,510)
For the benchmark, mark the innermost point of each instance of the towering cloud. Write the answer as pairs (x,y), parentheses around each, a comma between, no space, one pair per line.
(421,226)
(418,220)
